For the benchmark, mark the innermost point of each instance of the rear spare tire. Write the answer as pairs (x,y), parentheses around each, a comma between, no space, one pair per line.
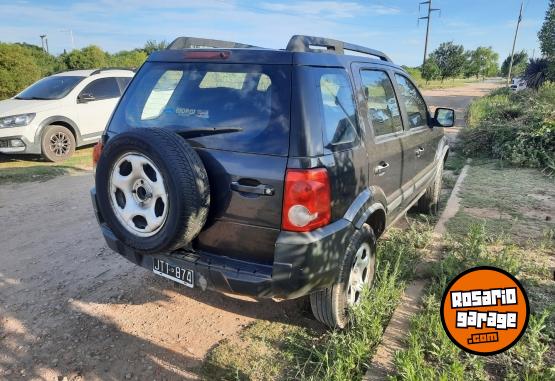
(152,190)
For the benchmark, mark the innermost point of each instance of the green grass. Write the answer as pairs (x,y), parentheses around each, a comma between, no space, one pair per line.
(509,201)
(438,84)
(24,168)
(278,351)
(455,163)
(432,356)
(510,234)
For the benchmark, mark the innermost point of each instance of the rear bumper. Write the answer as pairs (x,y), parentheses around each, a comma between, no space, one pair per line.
(303,262)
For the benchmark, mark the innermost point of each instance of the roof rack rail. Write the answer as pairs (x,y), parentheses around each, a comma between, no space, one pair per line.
(299,43)
(200,43)
(98,71)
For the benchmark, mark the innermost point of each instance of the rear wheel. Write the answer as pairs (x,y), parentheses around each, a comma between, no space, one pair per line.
(57,144)
(429,202)
(331,305)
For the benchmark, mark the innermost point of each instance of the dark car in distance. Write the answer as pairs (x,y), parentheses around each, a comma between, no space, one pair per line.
(268,173)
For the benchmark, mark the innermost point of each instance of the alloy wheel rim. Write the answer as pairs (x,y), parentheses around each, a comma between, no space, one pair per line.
(138,194)
(362,271)
(59,144)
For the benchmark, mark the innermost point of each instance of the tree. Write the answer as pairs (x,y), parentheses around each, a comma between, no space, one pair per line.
(520,62)
(152,46)
(47,63)
(430,69)
(547,32)
(481,62)
(90,57)
(17,70)
(450,59)
(131,59)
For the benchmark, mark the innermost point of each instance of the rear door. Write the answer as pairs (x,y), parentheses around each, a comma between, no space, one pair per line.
(421,141)
(382,117)
(245,162)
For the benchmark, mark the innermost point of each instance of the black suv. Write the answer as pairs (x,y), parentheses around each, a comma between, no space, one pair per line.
(264,172)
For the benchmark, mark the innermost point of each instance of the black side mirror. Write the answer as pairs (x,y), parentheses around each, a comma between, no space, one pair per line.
(444,117)
(85,97)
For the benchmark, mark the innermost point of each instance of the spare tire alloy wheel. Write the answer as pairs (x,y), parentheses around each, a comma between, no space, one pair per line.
(138,194)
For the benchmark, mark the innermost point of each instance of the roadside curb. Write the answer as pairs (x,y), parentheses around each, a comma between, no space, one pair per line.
(394,337)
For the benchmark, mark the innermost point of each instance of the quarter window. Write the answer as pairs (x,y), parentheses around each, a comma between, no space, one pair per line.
(103,88)
(383,109)
(338,109)
(414,103)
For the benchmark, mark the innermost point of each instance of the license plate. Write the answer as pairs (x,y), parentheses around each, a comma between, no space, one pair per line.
(175,273)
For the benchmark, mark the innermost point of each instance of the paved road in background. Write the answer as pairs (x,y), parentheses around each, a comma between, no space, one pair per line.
(71,307)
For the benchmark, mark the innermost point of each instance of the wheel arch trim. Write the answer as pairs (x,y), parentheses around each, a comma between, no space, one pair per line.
(58,119)
(365,205)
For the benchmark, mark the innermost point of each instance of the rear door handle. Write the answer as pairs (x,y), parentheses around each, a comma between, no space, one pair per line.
(261,189)
(419,151)
(381,168)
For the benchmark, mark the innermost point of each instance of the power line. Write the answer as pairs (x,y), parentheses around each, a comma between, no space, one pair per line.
(427,18)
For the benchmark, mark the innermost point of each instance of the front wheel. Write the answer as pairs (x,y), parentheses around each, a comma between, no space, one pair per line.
(57,144)
(331,305)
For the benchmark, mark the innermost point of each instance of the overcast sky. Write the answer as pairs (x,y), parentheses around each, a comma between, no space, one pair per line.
(390,26)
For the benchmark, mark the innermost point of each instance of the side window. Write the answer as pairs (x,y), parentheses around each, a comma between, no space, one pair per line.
(338,108)
(123,82)
(103,88)
(383,109)
(414,103)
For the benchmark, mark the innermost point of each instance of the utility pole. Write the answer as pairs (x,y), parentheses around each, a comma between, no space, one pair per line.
(70,31)
(514,43)
(42,37)
(430,10)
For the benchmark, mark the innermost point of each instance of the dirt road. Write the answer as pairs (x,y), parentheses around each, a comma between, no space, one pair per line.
(70,307)
(457,98)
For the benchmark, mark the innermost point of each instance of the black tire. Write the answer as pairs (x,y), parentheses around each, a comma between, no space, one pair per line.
(57,143)
(183,177)
(330,305)
(429,202)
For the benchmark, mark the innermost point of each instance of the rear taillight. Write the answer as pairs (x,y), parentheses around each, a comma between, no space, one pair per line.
(306,200)
(97,150)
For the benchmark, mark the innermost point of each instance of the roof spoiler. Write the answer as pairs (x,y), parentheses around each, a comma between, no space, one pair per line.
(201,43)
(299,43)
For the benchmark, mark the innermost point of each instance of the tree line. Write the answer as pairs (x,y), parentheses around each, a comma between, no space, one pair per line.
(450,60)
(22,64)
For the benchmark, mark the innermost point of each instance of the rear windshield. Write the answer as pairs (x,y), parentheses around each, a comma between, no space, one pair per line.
(55,87)
(251,102)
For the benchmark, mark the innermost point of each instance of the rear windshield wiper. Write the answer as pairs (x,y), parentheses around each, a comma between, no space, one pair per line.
(203,131)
